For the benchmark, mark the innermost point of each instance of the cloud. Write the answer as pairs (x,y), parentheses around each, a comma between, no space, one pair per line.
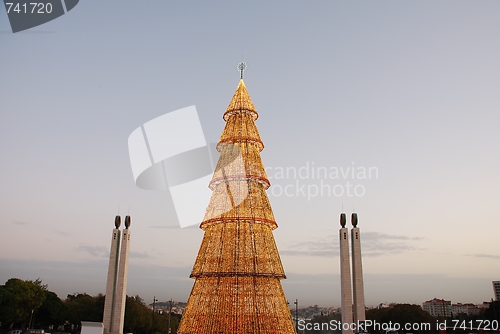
(140,255)
(326,253)
(372,244)
(67,277)
(379,236)
(487,256)
(20,223)
(64,234)
(165,282)
(175,227)
(324,289)
(98,251)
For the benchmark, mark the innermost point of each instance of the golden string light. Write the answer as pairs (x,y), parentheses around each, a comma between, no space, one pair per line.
(237,272)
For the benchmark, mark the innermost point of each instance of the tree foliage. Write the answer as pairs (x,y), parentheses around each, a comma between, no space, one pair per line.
(493,312)
(401,314)
(138,318)
(52,312)
(20,299)
(84,307)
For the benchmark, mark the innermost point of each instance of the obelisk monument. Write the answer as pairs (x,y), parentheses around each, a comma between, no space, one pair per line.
(116,286)
(345,277)
(357,273)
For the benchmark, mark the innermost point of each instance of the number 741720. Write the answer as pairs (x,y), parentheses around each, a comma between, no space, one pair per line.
(36,8)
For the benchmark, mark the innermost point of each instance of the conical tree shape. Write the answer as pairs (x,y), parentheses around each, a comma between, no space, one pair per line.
(237,288)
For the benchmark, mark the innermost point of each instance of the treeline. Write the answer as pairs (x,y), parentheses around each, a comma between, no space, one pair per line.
(402,314)
(405,314)
(29,304)
(414,314)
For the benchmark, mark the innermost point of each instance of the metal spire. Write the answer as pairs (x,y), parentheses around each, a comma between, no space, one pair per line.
(242,67)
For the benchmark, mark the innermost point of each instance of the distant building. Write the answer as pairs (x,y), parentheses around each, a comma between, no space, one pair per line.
(312,311)
(484,305)
(175,307)
(438,307)
(467,308)
(496,290)
(459,308)
(473,309)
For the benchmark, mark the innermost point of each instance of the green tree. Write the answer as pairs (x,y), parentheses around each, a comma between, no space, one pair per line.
(84,307)
(138,317)
(493,312)
(20,299)
(401,314)
(322,319)
(175,319)
(7,313)
(52,312)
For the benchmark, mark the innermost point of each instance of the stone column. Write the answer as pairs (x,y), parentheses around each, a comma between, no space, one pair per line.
(121,283)
(345,276)
(357,272)
(111,281)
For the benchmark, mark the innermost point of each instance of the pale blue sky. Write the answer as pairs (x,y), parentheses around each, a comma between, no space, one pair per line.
(411,88)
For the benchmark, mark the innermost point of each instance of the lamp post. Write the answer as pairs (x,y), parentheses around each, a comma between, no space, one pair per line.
(154,304)
(31,317)
(296,302)
(169,313)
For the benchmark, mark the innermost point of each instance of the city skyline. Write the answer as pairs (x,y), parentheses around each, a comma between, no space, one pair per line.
(406,91)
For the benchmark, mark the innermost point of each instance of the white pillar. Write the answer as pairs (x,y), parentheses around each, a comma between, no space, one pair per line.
(345,277)
(121,283)
(357,273)
(111,281)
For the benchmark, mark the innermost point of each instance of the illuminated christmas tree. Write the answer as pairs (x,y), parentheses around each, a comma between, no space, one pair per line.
(237,272)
